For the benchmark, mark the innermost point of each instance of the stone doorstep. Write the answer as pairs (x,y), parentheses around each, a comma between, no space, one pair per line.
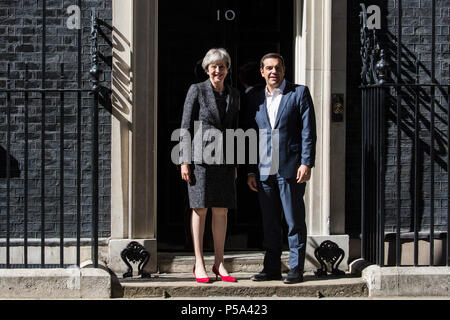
(237,261)
(234,262)
(166,285)
(175,279)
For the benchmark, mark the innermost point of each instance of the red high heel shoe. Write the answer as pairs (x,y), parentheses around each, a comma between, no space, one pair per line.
(200,280)
(223,278)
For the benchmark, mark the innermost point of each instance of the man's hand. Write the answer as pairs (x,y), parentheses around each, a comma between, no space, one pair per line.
(186,172)
(303,173)
(251,181)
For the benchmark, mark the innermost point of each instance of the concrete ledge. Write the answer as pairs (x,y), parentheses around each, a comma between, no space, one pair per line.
(52,251)
(72,283)
(407,281)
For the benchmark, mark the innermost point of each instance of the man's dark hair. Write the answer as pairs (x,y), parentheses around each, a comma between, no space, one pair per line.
(271,55)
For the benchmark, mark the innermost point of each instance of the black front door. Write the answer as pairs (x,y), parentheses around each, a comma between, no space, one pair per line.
(187,30)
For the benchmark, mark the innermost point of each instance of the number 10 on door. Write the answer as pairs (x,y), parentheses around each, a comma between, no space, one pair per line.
(229,15)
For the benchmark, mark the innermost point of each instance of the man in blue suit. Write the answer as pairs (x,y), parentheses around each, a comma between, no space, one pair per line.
(286,112)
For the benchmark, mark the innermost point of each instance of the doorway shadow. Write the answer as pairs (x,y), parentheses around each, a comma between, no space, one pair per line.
(14,169)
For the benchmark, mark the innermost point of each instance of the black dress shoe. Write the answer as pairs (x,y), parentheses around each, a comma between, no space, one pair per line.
(294,276)
(263,276)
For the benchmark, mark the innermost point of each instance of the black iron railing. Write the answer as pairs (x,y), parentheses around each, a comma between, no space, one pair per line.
(409,107)
(28,94)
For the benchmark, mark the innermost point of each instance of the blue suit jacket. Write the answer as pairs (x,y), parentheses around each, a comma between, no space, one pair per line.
(296,126)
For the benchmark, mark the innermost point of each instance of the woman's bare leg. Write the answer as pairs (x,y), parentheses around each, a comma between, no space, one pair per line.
(198,219)
(219,230)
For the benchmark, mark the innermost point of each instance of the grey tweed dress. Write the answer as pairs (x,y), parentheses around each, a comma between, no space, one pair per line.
(213,185)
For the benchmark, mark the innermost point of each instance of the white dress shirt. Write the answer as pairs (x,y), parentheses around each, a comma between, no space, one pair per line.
(273,102)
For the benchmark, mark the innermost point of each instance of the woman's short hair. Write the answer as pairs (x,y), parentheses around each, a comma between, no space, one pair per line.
(216,54)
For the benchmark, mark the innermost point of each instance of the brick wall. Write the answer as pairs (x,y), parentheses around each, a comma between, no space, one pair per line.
(20,43)
(416,39)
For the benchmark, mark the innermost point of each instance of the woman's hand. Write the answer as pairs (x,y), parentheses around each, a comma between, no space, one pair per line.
(186,172)
(251,181)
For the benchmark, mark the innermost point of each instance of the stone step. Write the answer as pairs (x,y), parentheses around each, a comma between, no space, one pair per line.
(167,285)
(251,261)
(175,279)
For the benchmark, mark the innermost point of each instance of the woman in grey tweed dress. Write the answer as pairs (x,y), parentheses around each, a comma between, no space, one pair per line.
(214,106)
